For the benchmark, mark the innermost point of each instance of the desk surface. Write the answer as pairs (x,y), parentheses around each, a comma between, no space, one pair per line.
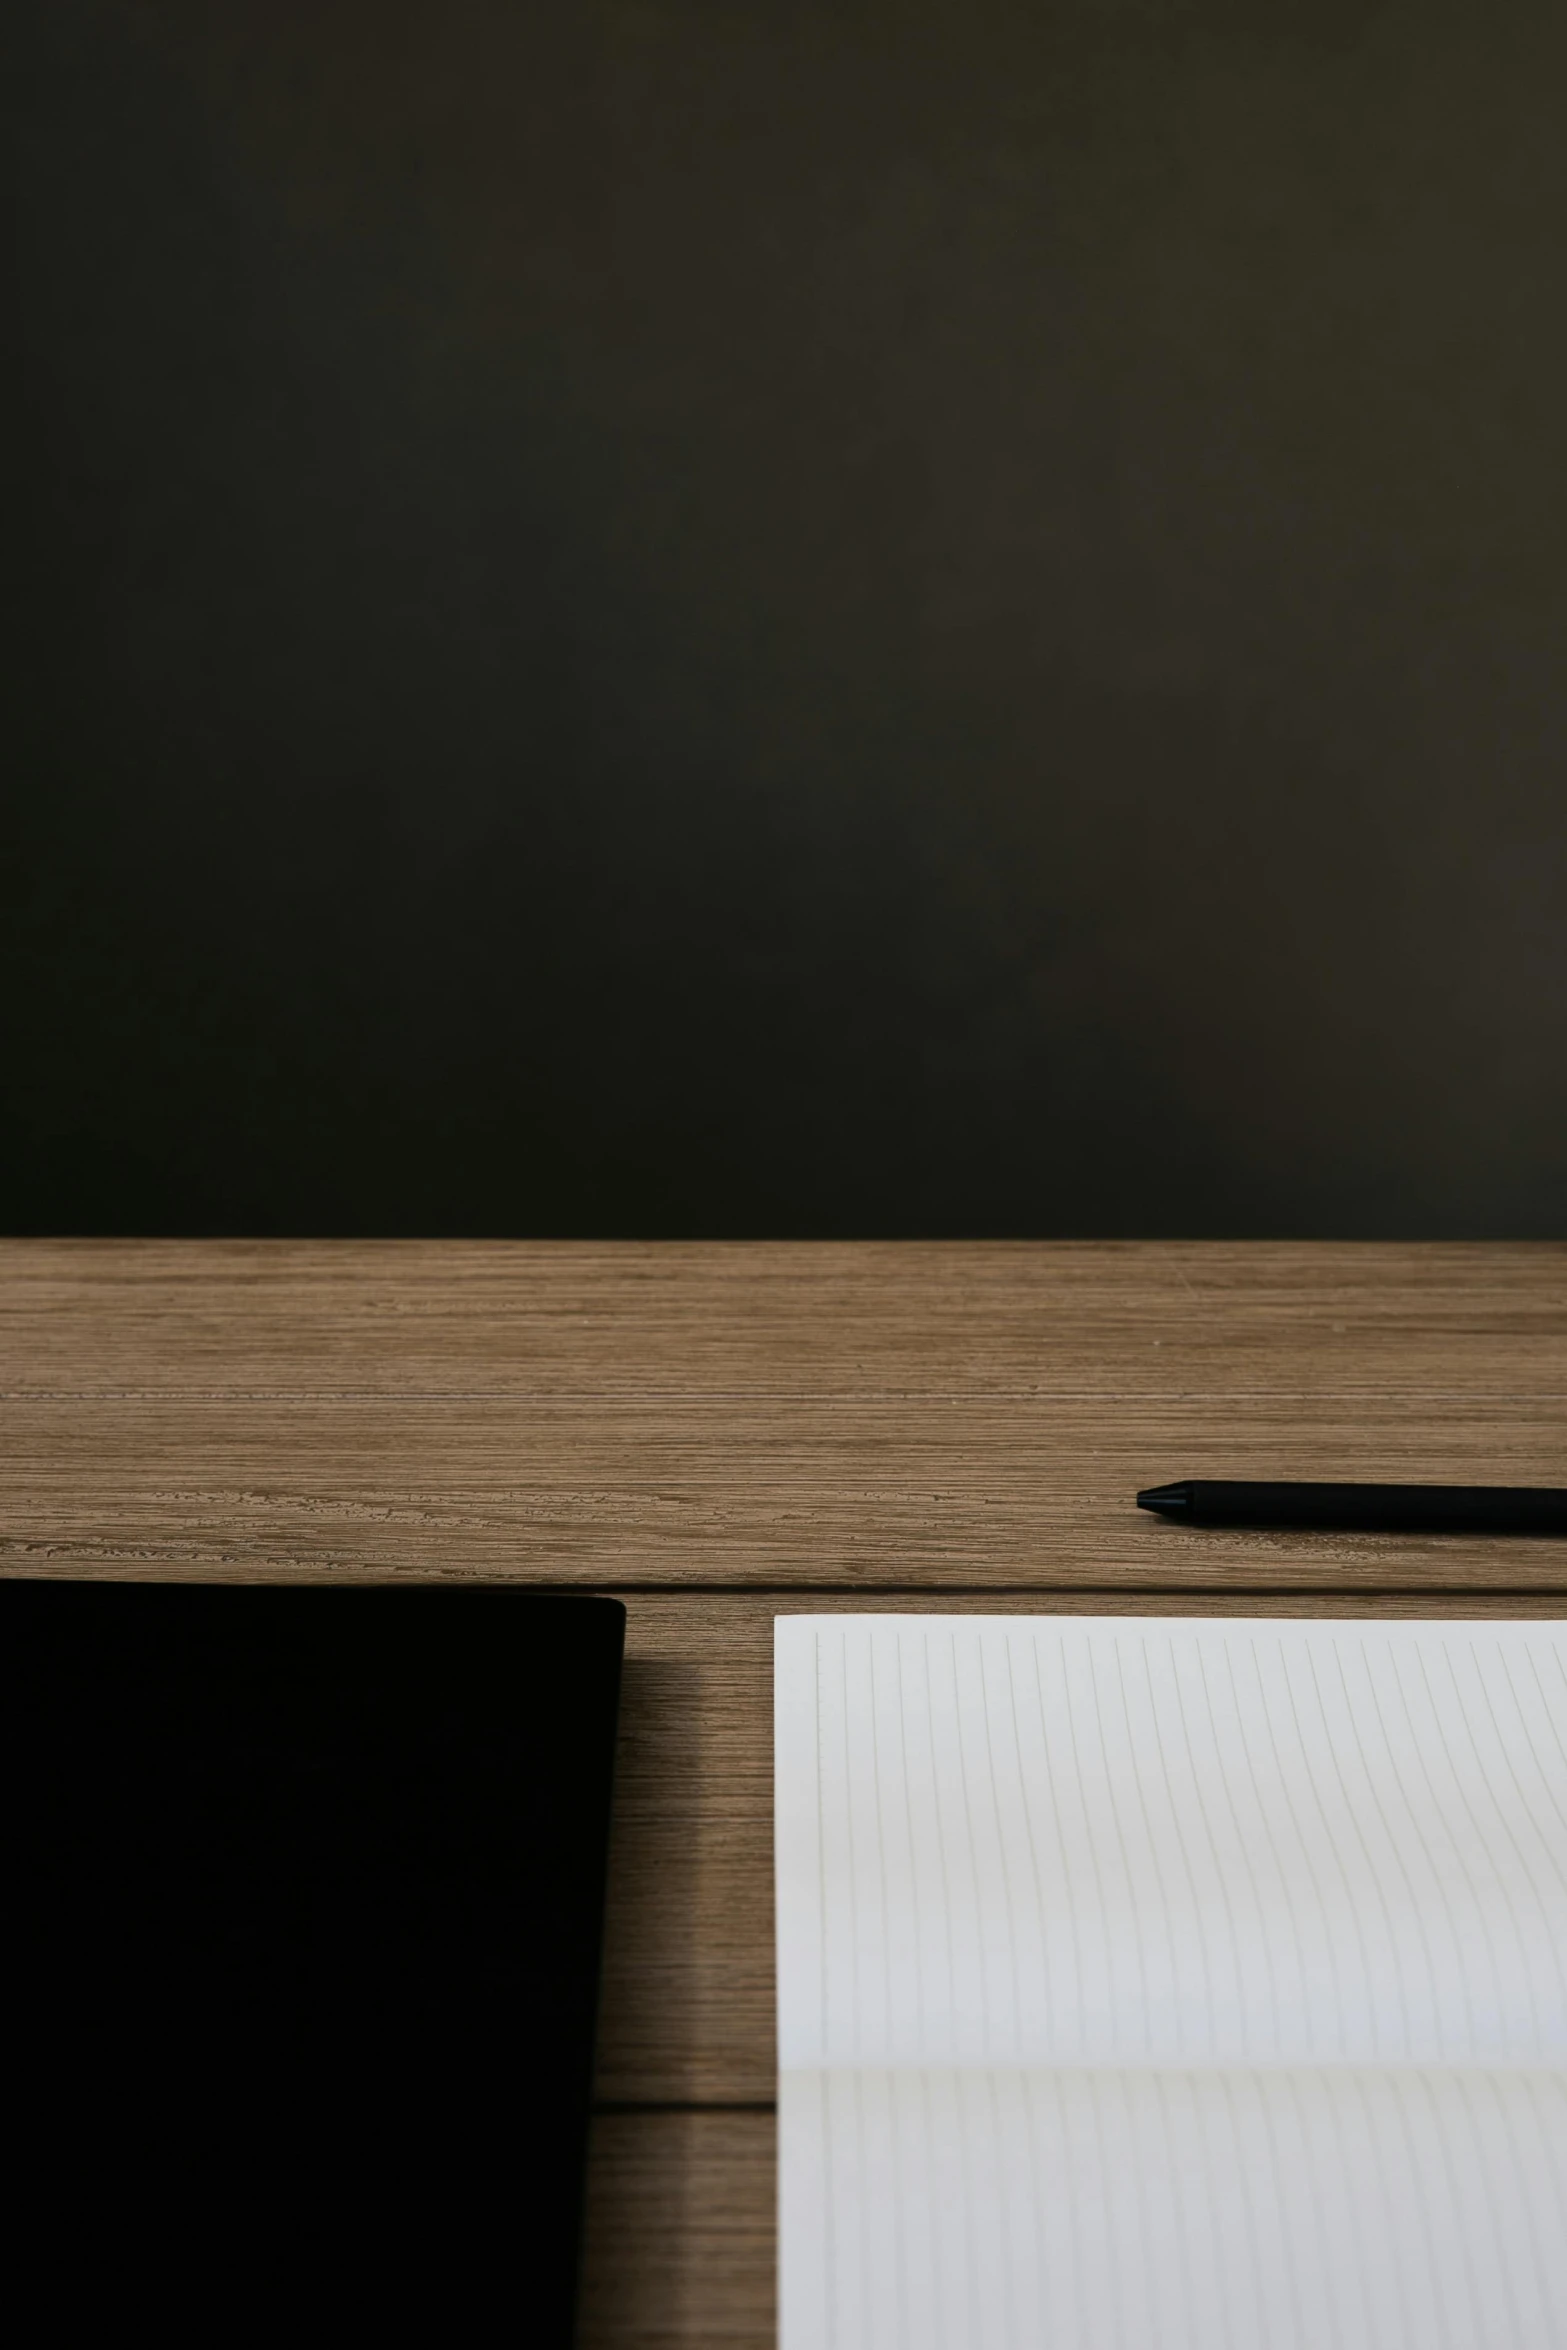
(722,1433)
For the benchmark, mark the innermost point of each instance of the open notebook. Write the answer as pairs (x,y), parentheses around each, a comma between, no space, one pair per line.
(1168,1982)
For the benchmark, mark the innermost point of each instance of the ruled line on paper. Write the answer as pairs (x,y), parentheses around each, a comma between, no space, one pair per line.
(1196,1983)
(1135,2205)
(1324,1855)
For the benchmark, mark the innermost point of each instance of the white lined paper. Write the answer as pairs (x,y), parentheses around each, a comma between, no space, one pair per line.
(1077,1914)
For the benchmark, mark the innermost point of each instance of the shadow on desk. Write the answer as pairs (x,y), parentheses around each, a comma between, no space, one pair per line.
(679,2241)
(680,2231)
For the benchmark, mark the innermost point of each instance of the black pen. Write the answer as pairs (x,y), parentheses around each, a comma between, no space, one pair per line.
(1366,1509)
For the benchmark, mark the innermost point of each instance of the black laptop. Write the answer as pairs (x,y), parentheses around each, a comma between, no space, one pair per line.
(302,1906)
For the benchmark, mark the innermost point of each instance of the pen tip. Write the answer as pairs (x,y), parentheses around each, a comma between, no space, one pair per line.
(1170,1501)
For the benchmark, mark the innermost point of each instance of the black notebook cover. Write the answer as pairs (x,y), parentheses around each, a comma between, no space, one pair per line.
(303,1897)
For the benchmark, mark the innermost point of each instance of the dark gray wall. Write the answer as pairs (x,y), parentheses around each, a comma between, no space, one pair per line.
(766,617)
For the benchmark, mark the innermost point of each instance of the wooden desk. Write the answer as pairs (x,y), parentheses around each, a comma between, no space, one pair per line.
(722,1433)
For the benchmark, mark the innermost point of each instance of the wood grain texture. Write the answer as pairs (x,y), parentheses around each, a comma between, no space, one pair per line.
(829,1417)
(722,1433)
(900,1494)
(521,1318)
(678,2247)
